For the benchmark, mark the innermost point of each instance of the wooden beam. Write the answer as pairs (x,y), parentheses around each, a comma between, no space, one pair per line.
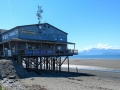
(59,63)
(40,63)
(3,50)
(36,64)
(68,62)
(63,60)
(10,48)
(47,63)
(74,46)
(53,63)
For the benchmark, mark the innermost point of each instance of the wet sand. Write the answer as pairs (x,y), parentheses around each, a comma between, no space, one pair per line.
(96,62)
(83,80)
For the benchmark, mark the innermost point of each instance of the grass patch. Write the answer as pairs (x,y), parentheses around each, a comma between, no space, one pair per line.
(2,88)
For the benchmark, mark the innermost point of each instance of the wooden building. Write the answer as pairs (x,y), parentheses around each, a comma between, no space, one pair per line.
(40,44)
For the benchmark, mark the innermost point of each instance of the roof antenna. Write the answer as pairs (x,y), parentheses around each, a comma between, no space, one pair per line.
(39,15)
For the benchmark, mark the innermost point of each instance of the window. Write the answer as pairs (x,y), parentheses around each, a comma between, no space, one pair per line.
(16,31)
(3,37)
(55,37)
(45,36)
(44,25)
(12,33)
(49,36)
(60,38)
(6,36)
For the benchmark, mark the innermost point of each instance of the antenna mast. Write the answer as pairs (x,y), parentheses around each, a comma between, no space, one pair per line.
(39,14)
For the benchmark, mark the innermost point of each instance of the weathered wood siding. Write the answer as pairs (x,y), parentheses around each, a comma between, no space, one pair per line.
(47,32)
(32,32)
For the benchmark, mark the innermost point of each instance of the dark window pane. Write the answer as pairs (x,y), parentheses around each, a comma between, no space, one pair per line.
(49,37)
(55,37)
(45,36)
(60,38)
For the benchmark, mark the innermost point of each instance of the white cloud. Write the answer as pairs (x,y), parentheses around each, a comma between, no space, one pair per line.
(88,48)
(102,46)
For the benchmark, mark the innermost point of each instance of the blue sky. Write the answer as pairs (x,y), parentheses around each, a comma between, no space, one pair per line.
(89,23)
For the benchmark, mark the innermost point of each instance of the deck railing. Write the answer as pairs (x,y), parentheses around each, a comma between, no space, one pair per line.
(38,52)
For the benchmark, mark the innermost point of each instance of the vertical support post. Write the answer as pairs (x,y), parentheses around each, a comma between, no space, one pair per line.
(40,63)
(54,49)
(36,64)
(53,63)
(59,63)
(74,46)
(3,50)
(44,63)
(41,49)
(56,64)
(19,60)
(10,48)
(47,63)
(68,62)
(26,47)
(28,64)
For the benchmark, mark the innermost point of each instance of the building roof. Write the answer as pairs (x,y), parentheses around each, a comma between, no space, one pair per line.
(34,25)
(3,30)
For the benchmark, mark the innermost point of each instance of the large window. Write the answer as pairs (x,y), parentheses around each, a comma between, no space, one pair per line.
(49,37)
(60,37)
(16,31)
(3,37)
(12,33)
(55,37)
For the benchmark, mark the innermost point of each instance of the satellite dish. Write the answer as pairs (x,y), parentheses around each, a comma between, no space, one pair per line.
(40,27)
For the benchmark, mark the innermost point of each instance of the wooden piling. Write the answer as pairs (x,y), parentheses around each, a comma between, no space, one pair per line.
(59,63)
(53,63)
(46,63)
(68,63)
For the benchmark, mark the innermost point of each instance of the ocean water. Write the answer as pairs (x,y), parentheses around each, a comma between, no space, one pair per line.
(107,57)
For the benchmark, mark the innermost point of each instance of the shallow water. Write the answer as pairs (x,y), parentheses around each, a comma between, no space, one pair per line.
(91,68)
(102,57)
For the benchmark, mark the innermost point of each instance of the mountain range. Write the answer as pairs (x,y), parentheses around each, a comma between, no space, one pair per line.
(97,51)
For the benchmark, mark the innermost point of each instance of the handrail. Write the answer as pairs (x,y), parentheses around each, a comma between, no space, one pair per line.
(38,52)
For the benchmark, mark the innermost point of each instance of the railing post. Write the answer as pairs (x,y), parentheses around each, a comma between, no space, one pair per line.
(33,52)
(25,52)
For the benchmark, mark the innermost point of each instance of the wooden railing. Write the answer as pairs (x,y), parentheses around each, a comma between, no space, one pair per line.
(38,52)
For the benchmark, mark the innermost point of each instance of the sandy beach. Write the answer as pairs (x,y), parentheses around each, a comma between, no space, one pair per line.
(83,80)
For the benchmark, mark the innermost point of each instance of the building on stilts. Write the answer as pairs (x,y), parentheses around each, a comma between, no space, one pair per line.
(40,46)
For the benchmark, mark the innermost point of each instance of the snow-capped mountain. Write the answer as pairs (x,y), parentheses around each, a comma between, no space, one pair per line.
(97,51)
